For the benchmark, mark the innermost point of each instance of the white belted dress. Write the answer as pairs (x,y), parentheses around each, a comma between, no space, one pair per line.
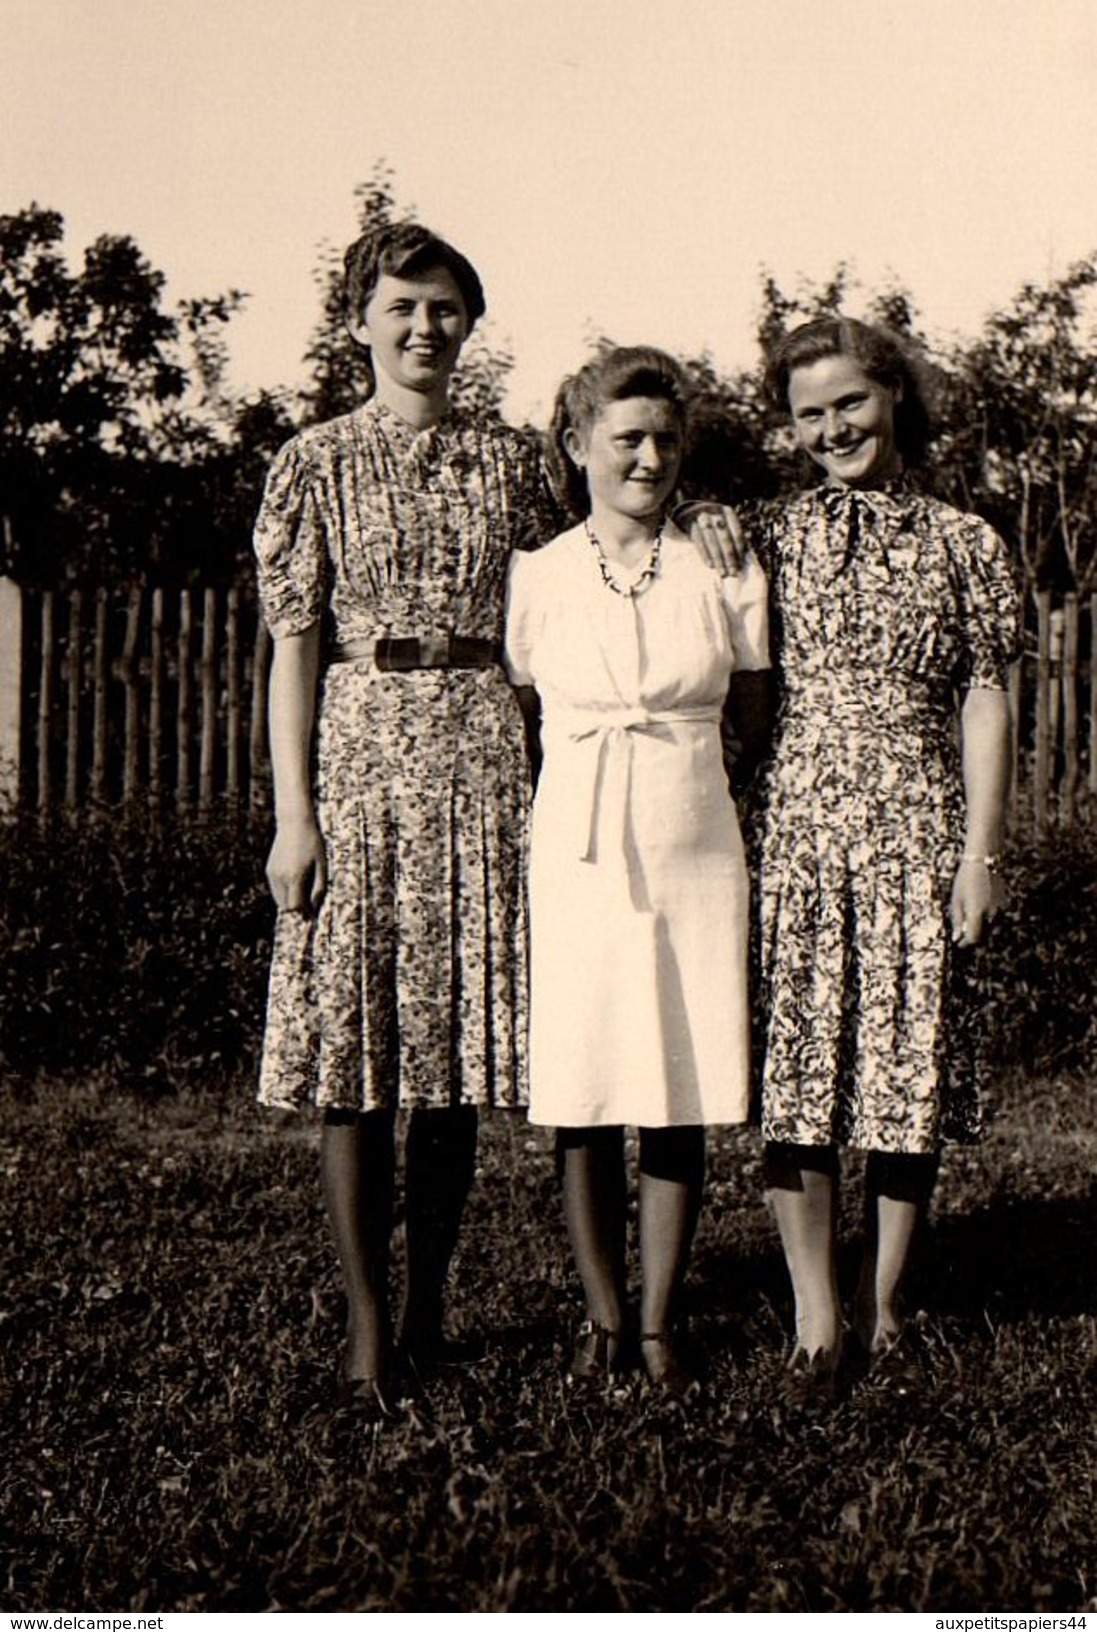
(638,887)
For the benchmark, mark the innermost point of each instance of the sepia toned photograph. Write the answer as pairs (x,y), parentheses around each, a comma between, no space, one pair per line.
(548,808)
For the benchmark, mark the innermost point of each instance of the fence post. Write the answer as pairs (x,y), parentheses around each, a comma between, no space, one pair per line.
(129,670)
(1068,801)
(1016,691)
(1093,694)
(1042,768)
(73,680)
(184,702)
(232,697)
(156,696)
(100,684)
(11,689)
(258,754)
(1055,706)
(207,745)
(45,705)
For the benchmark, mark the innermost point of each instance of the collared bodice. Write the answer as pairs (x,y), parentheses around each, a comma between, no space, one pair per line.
(383,529)
(888,606)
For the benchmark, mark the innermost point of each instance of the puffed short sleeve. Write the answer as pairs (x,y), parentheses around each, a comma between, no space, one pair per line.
(745,596)
(290,547)
(524,618)
(990,609)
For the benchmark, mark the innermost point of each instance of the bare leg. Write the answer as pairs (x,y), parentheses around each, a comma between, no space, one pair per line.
(440,1164)
(672,1171)
(897,1195)
(802,1189)
(592,1165)
(357,1160)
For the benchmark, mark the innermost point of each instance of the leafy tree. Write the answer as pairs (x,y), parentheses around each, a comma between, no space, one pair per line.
(1021,420)
(781,312)
(109,404)
(726,456)
(341,372)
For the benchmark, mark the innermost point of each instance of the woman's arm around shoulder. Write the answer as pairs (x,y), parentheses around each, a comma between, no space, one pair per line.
(751,706)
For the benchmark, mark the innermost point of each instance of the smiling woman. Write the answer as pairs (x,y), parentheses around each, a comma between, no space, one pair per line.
(638,888)
(845,420)
(401,789)
(414,328)
(898,617)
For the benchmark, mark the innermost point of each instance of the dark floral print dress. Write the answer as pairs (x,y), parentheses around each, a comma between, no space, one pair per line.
(888,606)
(409,985)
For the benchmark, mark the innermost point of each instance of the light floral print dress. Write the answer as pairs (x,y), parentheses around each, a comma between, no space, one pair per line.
(888,606)
(409,985)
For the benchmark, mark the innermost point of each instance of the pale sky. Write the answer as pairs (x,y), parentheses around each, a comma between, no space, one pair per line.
(611,166)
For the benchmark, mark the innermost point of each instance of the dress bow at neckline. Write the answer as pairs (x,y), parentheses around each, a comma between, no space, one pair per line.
(866,522)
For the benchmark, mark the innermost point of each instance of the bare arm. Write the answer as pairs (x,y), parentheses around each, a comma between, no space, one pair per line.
(976,891)
(297,865)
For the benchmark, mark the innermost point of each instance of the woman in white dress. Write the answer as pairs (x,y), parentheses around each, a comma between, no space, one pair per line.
(638,888)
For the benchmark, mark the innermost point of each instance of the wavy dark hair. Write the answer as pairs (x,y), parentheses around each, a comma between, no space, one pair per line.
(874,349)
(612,376)
(404,249)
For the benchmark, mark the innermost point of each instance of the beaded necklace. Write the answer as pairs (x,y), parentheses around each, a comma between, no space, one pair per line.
(647,574)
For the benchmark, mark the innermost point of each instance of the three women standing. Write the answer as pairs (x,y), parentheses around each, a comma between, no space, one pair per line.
(399,971)
(401,786)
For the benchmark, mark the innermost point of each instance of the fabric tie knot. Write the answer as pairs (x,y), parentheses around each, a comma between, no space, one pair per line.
(866,522)
(605,744)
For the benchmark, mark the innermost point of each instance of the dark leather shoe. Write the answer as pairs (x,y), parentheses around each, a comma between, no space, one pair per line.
(594,1358)
(810,1382)
(897,1363)
(367,1400)
(667,1367)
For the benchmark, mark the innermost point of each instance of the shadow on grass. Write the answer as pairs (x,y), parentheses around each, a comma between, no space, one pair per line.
(740,1299)
(1014,1258)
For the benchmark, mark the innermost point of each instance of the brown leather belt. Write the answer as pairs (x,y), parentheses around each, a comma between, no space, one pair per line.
(400,654)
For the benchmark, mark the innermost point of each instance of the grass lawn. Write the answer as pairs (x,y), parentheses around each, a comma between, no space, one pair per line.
(170,1327)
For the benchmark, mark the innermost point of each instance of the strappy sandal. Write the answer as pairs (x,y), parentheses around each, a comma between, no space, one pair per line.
(594,1358)
(666,1367)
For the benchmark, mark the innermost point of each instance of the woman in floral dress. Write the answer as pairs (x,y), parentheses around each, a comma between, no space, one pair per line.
(895,618)
(401,787)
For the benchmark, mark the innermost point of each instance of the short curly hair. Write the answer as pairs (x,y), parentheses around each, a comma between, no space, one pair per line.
(877,351)
(404,249)
(612,376)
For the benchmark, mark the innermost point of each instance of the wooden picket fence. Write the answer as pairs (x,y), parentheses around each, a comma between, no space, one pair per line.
(1053,697)
(160,697)
(147,695)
